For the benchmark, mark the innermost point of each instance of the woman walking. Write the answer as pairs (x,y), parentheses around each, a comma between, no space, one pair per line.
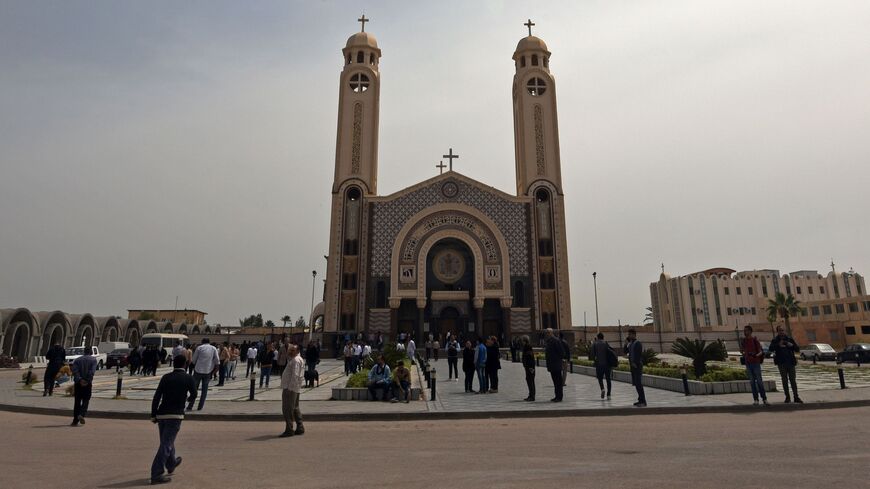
(529,367)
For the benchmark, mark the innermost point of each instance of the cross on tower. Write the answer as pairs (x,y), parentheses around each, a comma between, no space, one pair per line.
(663,268)
(529,24)
(362,20)
(440,166)
(450,157)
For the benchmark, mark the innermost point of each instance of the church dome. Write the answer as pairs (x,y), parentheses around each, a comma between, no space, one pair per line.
(362,39)
(530,43)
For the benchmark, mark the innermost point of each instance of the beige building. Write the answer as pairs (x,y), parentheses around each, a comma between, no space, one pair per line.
(449,253)
(721,299)
(190,317)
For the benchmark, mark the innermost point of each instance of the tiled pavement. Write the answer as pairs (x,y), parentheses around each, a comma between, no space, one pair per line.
(581,393)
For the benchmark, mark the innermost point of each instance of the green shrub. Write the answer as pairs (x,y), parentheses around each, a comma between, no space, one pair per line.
(650,357)
(359,379)
(391,356)
(700,352)
(724,375)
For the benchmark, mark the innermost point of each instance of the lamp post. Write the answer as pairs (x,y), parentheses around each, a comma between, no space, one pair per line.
(595,286)
(311,326)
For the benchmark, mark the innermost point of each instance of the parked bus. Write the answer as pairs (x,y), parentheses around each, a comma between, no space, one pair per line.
(164,340)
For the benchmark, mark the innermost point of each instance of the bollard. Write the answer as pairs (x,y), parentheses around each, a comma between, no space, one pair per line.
(685,379)
(253,384)
(571,365)
(840,374)
(814,359)
(433,385)
(118,384)
(428,376)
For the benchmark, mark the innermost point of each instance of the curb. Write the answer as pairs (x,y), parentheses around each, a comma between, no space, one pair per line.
(459,415)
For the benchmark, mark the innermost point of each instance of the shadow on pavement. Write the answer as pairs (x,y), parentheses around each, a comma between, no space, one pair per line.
(130,483)
(263,438)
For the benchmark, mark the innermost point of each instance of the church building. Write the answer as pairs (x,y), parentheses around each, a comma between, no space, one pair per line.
(448,254)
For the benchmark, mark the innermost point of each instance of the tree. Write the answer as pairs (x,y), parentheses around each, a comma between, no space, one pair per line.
(270,324)
(700,352)
(649,318)
(300,323)
(784,307)
(252,321)
(286,319)
(146,316)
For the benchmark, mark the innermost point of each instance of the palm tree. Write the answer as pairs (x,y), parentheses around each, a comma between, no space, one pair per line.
(649,317)
(286,319)
(700,352)
(784,307)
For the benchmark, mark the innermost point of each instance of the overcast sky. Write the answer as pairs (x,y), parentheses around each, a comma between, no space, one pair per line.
(150,150)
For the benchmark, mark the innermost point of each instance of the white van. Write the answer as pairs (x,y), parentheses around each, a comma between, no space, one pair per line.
(163,340)
(110,346)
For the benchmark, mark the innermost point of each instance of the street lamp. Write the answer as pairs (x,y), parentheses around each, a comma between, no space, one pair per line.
(595,285)
(311,326)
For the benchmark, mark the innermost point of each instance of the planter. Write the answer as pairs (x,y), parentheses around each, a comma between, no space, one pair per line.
(676,385)
(362,394)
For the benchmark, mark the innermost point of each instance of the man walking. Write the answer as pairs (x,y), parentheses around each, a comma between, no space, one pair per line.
(206,360)
(291,387)
(83,370)
(555,354)
(55,358)
(783,348)
(412,350)
(167,410)
(634,350)
(601,356)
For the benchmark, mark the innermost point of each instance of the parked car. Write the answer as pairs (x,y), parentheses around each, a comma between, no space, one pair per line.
(118,357)
(818,351)
(856,352)
(76,351)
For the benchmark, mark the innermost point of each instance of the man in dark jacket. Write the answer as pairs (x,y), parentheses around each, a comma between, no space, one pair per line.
(555,354)
(55,357)
(83,370)
(634,350)
(601,355)
(493,364)
(783,347)
(468,366)
(529,365)
(167,410)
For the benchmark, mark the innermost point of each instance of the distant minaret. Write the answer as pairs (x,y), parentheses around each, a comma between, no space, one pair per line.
(356,177)
(539,175)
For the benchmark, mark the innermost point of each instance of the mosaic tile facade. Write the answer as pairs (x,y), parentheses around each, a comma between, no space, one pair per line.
(389,217)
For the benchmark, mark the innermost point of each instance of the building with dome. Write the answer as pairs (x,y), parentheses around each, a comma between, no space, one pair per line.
(448,254)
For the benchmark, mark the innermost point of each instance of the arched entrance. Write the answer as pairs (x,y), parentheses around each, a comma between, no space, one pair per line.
(450,288)
(53,336)
(17,341)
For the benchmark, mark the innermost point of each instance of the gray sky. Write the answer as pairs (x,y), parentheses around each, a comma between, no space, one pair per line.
(155,149)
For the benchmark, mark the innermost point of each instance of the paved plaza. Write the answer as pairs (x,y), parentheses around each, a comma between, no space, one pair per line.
(710,451)
(581,395)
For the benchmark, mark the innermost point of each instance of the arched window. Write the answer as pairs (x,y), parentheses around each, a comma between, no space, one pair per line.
(348,58)
(360,57)
(546,61)
(372,59)
(359,82)
(536,86)
(534,60)
(519,294)
(381,295)
(523,61)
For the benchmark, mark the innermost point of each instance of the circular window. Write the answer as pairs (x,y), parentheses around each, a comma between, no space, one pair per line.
(353,194)
(359,83)
(536,87)
(448,266)
(449,189)
(542,195)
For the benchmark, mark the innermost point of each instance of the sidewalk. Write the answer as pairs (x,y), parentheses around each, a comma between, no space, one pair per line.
(581,398)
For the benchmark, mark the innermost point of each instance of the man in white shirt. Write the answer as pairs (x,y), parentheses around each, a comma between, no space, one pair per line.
(412,350)
(251,355)
(206,362)
(291,388)
(357,356)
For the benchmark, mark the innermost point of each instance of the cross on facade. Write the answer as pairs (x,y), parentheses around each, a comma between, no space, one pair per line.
(663,268)
(440,166)
(362,20)
(529,24)
(450,157)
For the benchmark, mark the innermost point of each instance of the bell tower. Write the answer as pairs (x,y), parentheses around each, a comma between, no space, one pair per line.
(356,179)
(539,176)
